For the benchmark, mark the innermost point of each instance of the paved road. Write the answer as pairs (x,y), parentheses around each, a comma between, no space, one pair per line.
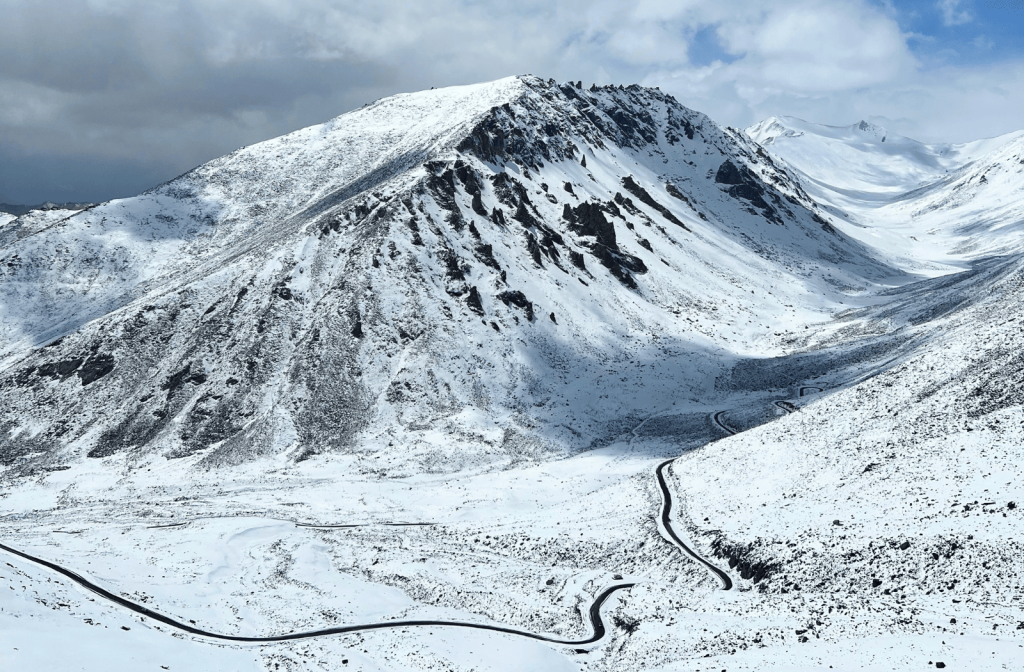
(717,417)
(596,622)
(666,520)
(786,406)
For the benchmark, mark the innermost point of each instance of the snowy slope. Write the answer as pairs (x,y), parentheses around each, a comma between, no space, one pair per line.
(421,363)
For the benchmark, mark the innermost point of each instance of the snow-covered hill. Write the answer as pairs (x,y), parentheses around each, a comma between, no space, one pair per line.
(421,363)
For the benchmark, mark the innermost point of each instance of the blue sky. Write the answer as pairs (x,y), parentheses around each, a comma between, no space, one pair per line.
(105,98)
(966,32)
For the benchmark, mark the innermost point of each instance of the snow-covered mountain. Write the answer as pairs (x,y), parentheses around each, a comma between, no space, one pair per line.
(458,270)
(865,159)
(927,208)
(428,361)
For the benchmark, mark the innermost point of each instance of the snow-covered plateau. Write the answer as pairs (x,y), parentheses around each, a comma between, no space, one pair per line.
(522,375)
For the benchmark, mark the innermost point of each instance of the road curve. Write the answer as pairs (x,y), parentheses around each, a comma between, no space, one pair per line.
(803,390)
(666,520)
(784,405)
(717,417)
(597,623)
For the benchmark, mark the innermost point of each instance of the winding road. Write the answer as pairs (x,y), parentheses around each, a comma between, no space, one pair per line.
(666,511)
(717,417)
(666,520)
(596,622)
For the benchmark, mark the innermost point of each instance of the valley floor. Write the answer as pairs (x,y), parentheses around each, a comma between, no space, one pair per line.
(808,498)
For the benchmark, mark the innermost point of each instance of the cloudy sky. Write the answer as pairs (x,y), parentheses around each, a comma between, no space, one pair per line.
(105,98)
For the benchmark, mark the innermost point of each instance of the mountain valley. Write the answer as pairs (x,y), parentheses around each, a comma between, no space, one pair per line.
(423,363)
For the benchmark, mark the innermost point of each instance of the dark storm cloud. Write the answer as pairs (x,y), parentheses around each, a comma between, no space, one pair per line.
(103,98)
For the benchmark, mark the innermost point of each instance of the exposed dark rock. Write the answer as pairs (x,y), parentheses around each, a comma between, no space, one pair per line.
(644,197)
(534,249)
(473,301)
(478,205)
(453,270)
(587,219)
(24,376)
(744,185)
(185,375)
(729,173)
(525,217)
(743,557)
(486,140)
(498,217)
(674,192)
(468,177)
(627,204)
(61,369)
(485,253)
(516,298)
(576,258)
(637,127)
(95,368)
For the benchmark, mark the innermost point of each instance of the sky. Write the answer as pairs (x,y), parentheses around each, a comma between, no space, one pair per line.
(105,98)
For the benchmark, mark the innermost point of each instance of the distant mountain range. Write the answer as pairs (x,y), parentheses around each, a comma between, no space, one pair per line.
(19,210)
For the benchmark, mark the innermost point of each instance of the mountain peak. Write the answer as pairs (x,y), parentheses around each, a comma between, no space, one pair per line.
(406,266)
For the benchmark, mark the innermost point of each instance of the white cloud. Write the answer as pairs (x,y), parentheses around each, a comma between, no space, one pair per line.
(953,14)
(181,81)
